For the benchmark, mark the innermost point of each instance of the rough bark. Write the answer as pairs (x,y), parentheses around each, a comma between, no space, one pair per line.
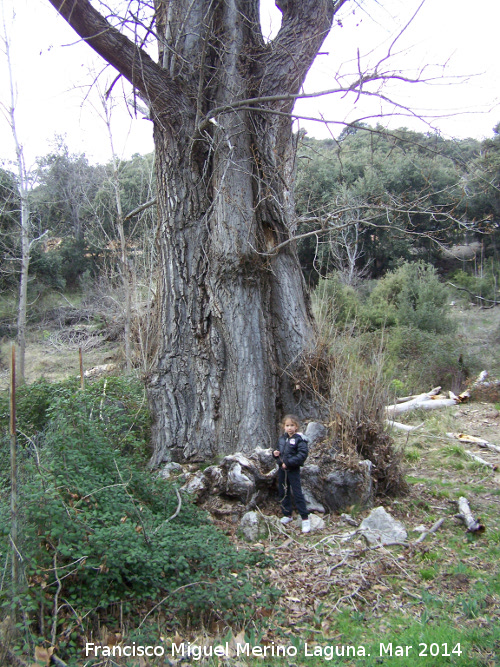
(235,324)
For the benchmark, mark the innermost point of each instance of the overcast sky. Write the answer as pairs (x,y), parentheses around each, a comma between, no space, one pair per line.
(451,42)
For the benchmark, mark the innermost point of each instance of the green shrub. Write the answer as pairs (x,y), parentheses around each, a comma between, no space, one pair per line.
(422,359)
(97,529)
(485,286)
(410,296)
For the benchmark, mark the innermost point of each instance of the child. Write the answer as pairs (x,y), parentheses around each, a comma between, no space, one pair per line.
(291,452)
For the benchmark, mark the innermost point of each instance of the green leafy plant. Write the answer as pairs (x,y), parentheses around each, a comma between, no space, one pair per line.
(102,533)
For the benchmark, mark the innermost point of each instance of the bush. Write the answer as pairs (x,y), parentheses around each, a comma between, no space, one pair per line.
(411,296)
(422,360)
(485,286)
(47,268)
(98,531)
(357,408)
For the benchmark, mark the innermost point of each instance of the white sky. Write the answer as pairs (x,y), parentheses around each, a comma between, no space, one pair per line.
(449,38)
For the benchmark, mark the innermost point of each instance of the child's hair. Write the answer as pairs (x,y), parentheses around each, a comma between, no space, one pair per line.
(292,418)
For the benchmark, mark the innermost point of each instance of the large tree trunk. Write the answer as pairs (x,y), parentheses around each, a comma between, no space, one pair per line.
(235,318)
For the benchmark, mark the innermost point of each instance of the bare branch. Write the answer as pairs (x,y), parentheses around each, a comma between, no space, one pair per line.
(149,79)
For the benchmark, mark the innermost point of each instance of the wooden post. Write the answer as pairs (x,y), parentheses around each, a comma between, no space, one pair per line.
(13,482)
(82,379)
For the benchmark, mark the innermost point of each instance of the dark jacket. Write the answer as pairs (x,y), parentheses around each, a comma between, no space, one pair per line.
(293,450)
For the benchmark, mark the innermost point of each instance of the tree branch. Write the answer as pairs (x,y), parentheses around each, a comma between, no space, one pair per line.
(286,61)
(152,83)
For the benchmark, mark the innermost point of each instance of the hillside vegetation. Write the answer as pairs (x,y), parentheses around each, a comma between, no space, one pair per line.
(404,272)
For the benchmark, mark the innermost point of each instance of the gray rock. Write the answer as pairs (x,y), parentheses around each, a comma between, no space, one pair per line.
(382,528)
(196,485)
(251,527)
(238,484)
(312,488)
(171,469)
(216,479)
(313,505)
(264,459)
(344,488)
(315,432)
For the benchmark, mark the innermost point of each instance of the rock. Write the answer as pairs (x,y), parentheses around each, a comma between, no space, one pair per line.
(171,469)
(312,488)
(344,488)
(315,432)
(382,528)
(251,527)
(196,485)
(238,484)
(347,518)
(312,504)
(216,479)
(265,459)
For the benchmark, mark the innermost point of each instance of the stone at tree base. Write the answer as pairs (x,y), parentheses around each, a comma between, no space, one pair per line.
(251,480)
(312,488)
(252,528)
(344,488)
(312,504)
(265,459)
(315,432)
(171,469)
(197,486)
(382,528)
(238,484)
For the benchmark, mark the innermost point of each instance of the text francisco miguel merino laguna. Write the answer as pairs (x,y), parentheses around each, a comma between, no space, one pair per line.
(227,650)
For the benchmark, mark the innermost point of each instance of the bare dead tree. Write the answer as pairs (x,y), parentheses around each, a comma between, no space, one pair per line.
(25,229)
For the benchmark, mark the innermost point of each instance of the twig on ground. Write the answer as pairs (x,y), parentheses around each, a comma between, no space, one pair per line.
(432,529)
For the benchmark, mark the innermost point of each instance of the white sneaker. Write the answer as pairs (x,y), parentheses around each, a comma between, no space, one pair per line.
(286,519)
(306,525)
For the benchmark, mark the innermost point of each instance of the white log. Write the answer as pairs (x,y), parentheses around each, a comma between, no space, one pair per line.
(480,442)
(402,427)
(424,403)
(481,378)
(473,525)
(432,529)
(478,459)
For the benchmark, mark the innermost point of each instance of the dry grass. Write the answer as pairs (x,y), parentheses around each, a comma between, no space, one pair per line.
(55,362)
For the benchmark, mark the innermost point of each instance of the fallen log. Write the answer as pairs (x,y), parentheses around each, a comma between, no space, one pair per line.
(471,439)
(425,402)
(465,515)
(478,459)
(403,427)
(485,389)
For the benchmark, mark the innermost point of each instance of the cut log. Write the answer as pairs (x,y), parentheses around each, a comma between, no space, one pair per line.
(471,439)
(423,402)
(465,515)
(478,459)
(403,427)
(485,389)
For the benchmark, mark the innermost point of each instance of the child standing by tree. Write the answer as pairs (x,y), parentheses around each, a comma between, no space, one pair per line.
(291,452)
